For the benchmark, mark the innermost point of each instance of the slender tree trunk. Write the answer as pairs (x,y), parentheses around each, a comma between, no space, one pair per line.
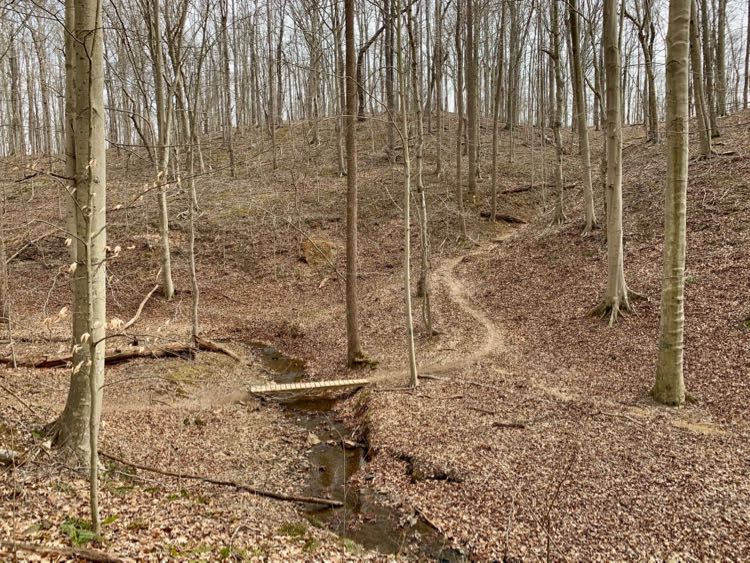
(580,111)
(89,297)
(17,137)
(271,117)
(340,88)
(227,85)
(389,93)
(164,126)
(669,387)
(558,109)
(437,62)
(708,70)
(704,121)
(721,64)
(71,430)
(471,96)
(496,114)
(459,123)
(424,288)
(411,353)
(354,348)
(617,295)
(746,85)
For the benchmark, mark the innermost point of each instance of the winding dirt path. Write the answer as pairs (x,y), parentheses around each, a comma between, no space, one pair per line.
(461,295)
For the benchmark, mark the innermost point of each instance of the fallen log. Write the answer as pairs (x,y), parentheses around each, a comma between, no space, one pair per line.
(115,357)
(223,483)
(171,350)
(503,217)
(53,550)
(522,189)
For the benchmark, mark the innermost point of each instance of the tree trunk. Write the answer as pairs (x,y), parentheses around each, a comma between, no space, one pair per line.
(227,85)
(746,85)
(424,288)
(471,96)
(496,112)
(390,101)
(89,297)
(704,121)
(708,70)
(70,431)
(459,123)
(354,348)
(721,64)
(411,353)
(17,137)
(558,109)
(437,62)
(669,387)
(580,111)
(616,298)
(271,114)
(164,125)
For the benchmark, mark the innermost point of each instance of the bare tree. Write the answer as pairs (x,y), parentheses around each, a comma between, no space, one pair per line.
(646,29)
(164,127)
(669,387)
(581,114)
(701,104)
(355,356)
(459,122)
(404,134)
(617,297)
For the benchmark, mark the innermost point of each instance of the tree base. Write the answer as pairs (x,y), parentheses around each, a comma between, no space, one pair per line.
(617,307)
(589,229)
(665,395)
(361,360)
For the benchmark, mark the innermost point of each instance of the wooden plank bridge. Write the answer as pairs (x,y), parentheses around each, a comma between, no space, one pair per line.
(307,386)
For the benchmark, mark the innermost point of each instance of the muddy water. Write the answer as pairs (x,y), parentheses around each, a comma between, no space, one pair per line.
(365,518)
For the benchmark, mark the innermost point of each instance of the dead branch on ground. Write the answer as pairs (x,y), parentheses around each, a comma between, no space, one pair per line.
(223,483)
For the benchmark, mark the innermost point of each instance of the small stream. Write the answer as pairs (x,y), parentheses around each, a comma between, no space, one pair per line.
(365,517)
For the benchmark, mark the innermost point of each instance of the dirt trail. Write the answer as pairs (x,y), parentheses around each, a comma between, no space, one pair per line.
(461,294)
(494,341)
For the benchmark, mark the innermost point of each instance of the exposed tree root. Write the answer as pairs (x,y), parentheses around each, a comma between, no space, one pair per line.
(559,218)
(363,360)
(223,483)
(55,551)
(611,308)
(589,229)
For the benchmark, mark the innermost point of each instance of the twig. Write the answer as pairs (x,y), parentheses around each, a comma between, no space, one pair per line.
(28,244)
(20,400)
(617,415)
(511,424)
(233,484)
(77,552)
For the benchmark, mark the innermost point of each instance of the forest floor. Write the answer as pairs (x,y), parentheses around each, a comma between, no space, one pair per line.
(532,435)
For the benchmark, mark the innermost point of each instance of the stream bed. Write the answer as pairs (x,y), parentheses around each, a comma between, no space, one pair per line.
(366,518)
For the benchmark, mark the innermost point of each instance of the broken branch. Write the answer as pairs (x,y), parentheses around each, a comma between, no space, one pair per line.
(223,483)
